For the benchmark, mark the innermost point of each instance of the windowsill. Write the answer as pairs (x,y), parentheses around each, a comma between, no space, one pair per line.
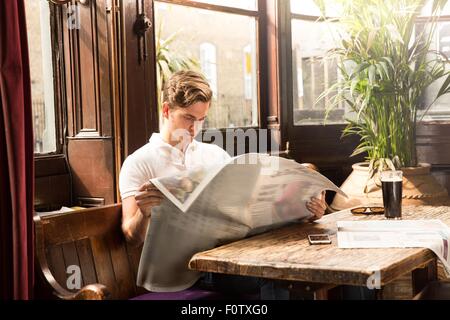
(62,210)
(51,155)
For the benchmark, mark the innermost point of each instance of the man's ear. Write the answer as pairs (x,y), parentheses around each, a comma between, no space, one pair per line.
(165,110)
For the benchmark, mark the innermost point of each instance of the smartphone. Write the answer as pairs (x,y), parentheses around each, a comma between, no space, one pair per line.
(319,239)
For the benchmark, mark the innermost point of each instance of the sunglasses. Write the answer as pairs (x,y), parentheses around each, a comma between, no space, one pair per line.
(367,210)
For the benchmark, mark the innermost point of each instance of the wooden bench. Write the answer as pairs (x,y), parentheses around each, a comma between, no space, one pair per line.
(92,240)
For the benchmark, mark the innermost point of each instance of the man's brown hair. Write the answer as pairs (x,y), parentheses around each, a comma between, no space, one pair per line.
(185,88)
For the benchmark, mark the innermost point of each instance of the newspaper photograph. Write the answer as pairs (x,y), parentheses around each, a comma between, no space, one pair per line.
(183,189)
(431,234)
(208,207)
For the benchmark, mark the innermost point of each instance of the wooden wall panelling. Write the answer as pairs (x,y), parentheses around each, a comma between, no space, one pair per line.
(88,74)
(442,174)
(433,146)
(92,163)
(139,103)
(89,83)
(52,183)
(323,146)
(88,110)
(433,143)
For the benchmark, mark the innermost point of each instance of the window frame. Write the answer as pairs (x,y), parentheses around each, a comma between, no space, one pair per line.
(58,82)
(423,19)
(293,129)
(315,143)
(304,17)
(321,144)
(54,164)
(309,18)
(261,55)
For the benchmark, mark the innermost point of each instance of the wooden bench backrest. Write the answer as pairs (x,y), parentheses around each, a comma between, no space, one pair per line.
(93,240)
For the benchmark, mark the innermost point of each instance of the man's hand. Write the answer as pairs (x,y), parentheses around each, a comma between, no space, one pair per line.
(317,206)
(148,197)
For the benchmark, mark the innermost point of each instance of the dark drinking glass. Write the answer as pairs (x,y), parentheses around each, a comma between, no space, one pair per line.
(391,185)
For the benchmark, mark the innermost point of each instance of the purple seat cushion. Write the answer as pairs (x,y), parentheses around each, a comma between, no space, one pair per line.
(188,294)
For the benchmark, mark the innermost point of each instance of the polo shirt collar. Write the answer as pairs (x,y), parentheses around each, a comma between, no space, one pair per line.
(157,141)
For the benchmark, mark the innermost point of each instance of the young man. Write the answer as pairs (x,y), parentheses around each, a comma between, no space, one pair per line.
(187,99)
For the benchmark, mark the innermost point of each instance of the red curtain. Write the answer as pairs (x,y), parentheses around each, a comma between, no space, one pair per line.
(16,156)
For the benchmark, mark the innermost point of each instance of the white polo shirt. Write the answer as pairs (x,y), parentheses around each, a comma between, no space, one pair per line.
(158,159)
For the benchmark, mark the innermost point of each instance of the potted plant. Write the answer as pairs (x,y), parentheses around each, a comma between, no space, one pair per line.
(386,62)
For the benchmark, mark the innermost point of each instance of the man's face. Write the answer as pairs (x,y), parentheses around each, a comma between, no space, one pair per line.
(185,123)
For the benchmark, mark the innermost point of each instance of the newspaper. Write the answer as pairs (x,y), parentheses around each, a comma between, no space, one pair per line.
(207,207)
(431,234)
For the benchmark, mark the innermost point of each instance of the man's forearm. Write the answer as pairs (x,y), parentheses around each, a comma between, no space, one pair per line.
(136,228)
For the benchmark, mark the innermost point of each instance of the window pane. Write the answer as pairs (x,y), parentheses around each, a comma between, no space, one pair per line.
(242,4)
(227,59)
(440,109)
(41,71)
(428,9)
(310,8)
(312,73)
(306,7)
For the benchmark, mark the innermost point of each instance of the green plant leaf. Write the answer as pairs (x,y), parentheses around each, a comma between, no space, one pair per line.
(168,61)
(385,64)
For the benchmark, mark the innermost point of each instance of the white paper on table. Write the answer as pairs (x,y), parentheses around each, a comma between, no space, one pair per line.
(431,234)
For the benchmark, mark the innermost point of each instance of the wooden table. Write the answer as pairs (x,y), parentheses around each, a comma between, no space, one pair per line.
(285,254)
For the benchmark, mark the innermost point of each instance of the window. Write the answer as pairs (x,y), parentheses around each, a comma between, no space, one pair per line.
(310,8)
(242,4)
(312,72)
(227,59)
(428,9)
(440,109)
(41,72)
